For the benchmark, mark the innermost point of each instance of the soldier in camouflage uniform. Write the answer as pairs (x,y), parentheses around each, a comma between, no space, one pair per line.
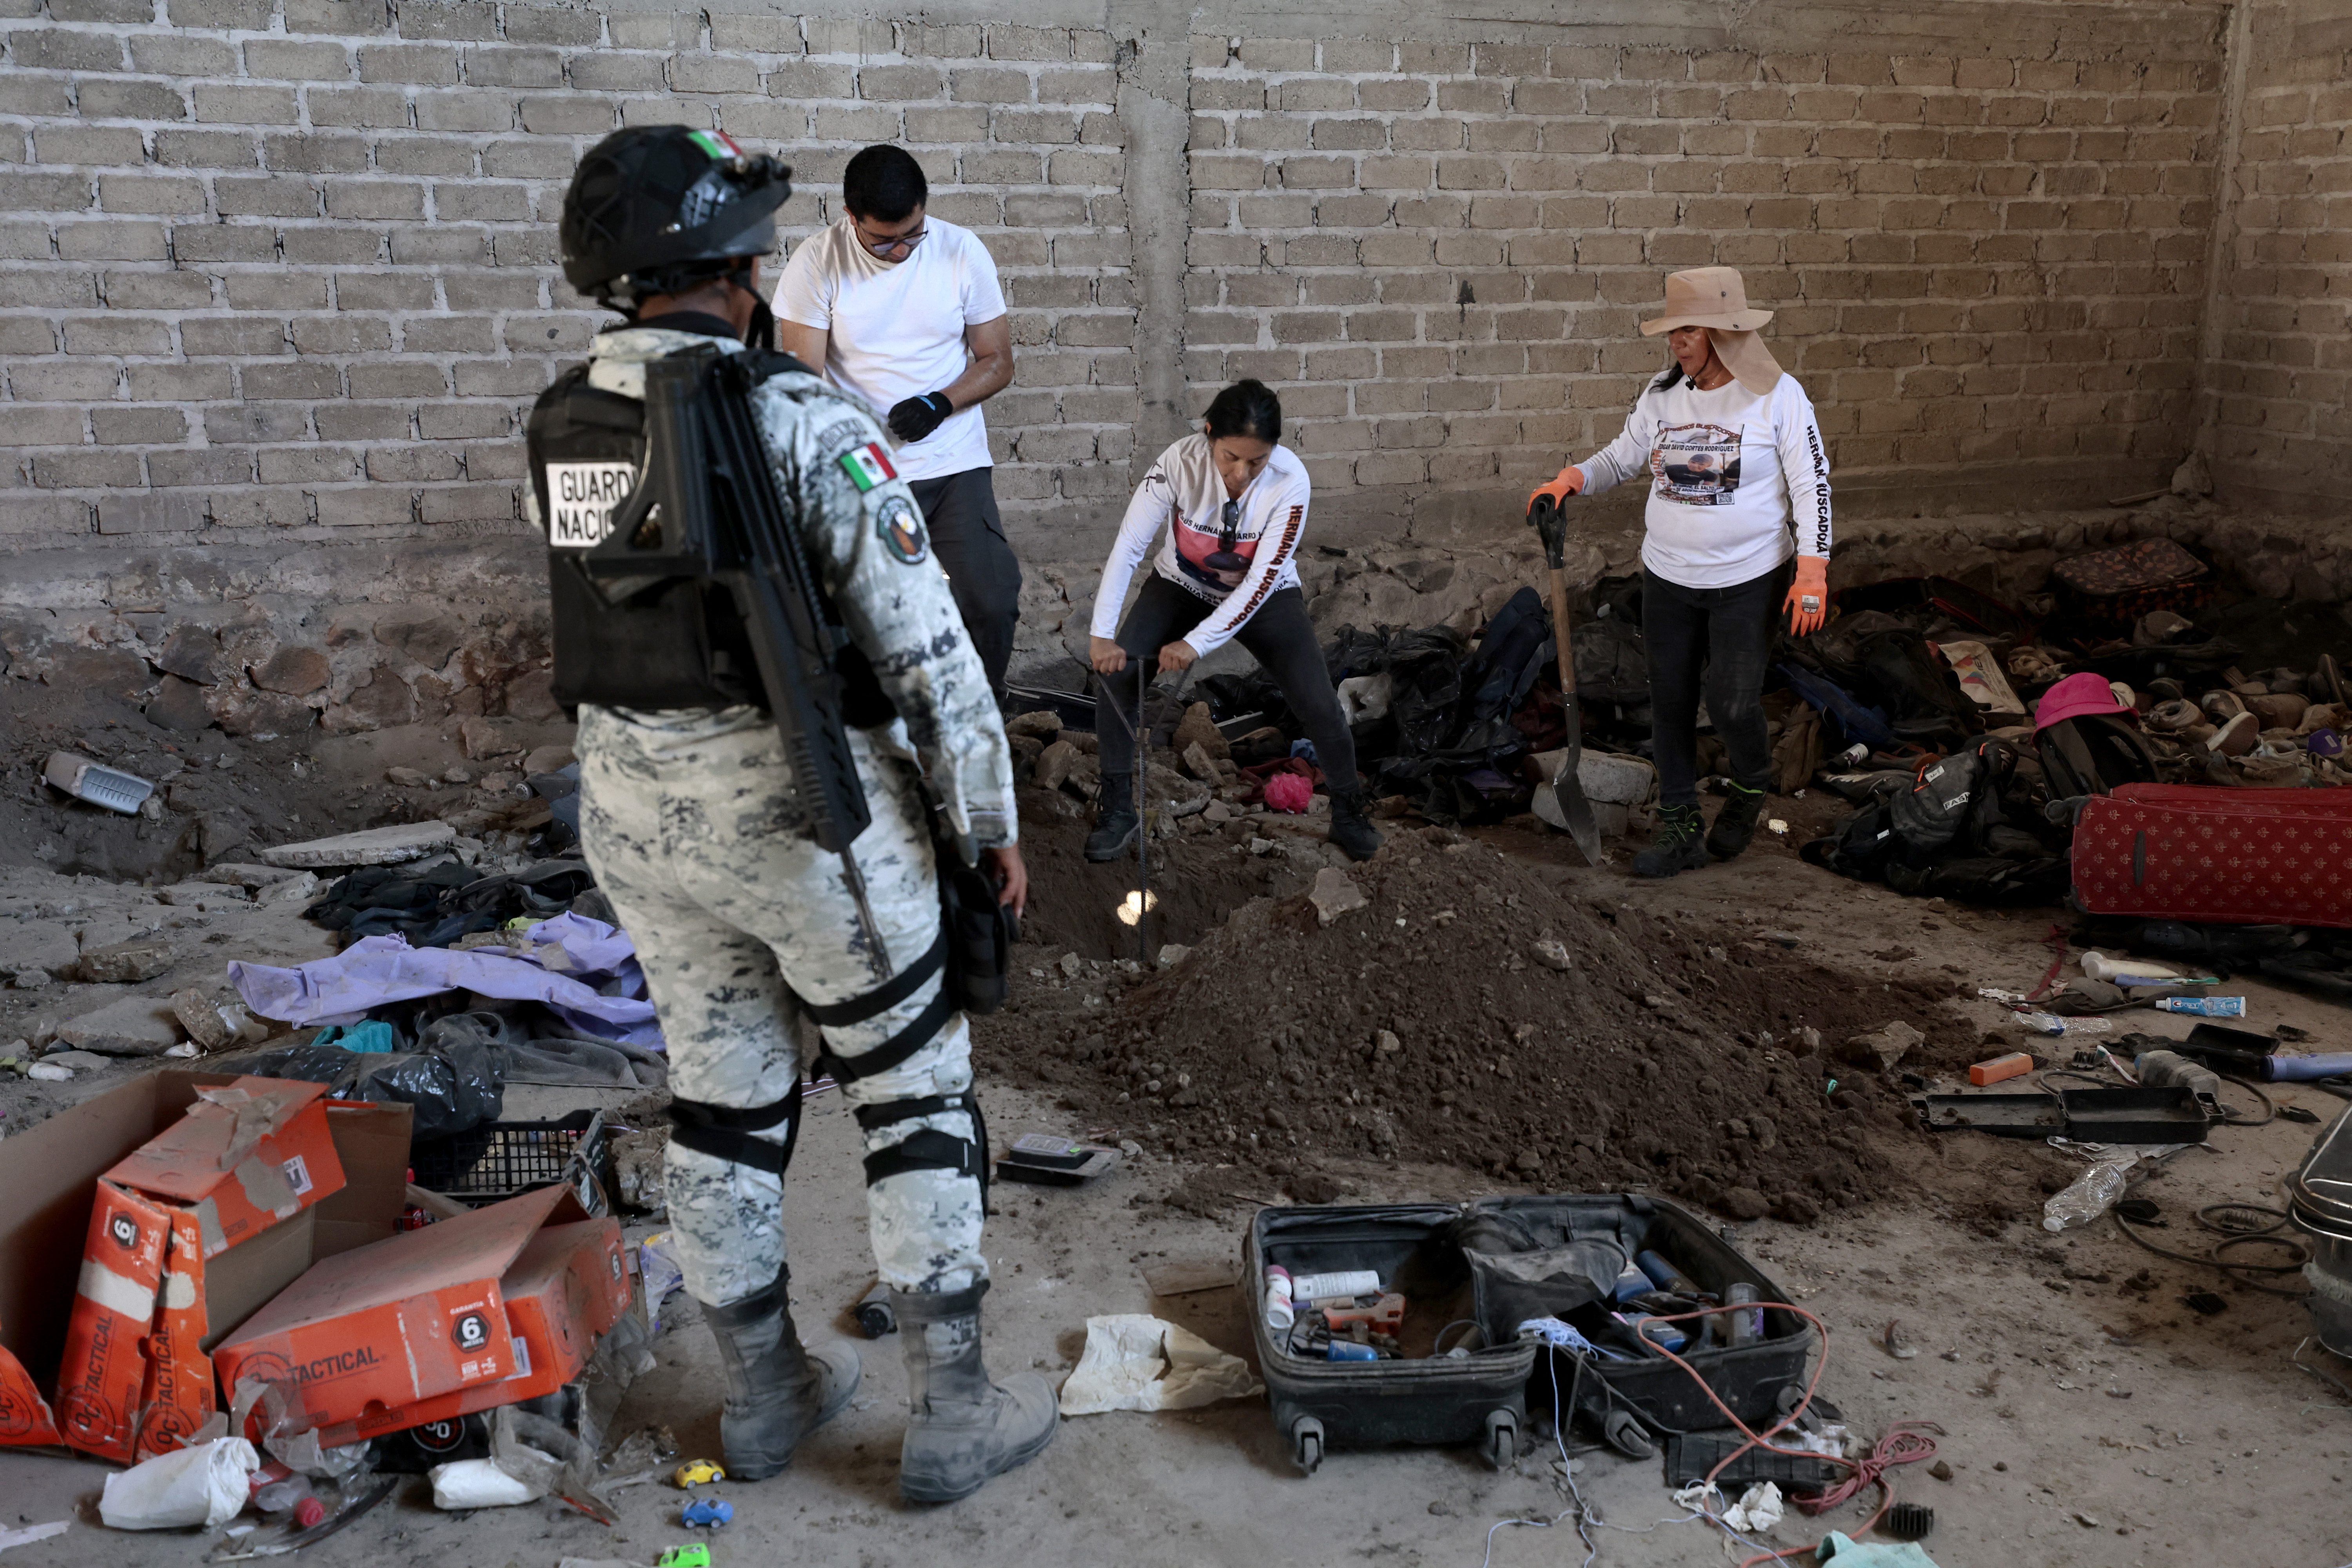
(691,819)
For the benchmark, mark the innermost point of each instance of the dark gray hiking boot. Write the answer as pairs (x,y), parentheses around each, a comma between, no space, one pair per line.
(1735,824)
(1115,818)
(963,1429)
(778,1390)
(1677,846)
(1351,830)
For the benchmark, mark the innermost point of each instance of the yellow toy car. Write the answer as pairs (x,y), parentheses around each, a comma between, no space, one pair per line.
(696,1472)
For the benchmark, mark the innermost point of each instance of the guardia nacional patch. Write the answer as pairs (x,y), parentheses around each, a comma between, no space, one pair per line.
(902,530)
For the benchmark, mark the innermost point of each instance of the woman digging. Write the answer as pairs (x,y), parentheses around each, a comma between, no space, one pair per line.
(1736,464)
(1232,502)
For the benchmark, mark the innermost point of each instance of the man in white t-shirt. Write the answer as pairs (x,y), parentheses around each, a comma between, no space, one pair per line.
(904,310)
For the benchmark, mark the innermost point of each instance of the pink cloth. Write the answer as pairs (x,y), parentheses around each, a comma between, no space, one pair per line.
(2074,697)
(1289,792)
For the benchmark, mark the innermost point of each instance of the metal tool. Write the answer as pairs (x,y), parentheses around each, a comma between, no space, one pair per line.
(1560,800)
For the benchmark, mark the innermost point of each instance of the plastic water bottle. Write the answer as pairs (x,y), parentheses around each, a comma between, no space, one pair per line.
(2092,1193)
(1320,1287)
(1280,1312)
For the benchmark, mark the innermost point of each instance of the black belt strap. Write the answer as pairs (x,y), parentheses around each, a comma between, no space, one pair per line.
(884,997)
(724,1132)
(897,1047)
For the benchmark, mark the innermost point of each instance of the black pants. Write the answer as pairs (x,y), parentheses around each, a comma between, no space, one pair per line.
(1279,637)
(1722,638)
(968,535)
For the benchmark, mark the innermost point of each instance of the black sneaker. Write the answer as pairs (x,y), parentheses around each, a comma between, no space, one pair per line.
(1677,846)
(1115,821)
(1735,824)
(1351,830)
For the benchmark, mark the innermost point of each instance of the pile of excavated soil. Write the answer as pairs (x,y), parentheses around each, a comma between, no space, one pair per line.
(1423,1027)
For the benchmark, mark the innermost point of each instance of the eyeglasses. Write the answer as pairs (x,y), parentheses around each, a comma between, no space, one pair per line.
(905,243)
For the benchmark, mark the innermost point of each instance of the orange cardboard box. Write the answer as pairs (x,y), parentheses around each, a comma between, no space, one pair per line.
(569,1285)
(492,1307)
(189,1200)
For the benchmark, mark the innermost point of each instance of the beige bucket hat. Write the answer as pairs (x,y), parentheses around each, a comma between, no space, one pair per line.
(1715,297)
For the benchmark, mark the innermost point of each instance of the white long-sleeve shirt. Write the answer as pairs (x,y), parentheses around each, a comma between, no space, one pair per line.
(1727,472)
(1184,493)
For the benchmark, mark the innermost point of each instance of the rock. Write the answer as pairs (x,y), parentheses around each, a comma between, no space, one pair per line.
(493,737)
(1197,729)
(1072,965)
(263,715)
(1527,1162)
(1173,953)
(128,963)
(532,695)
(178,705)
(639,1160)
(1805,1041)
(1881,1047)
(374,846)
(1744,1203)
(49,1072)
(192,653)
(1941,1470)
(1765,1132)
(1608,779)
(1334,894)
(80,1061)
(1385,1043)
(1040,722)
(1199,763)
(37,947)
(31,977)
(295,890)
(202,895)
(1053,764)
(216,1026)
(379,702)
(407,778)
(245,875)
(1553,955)
(547,760)
(423,634)
(134,1026)
(294,671)
(1796,1208)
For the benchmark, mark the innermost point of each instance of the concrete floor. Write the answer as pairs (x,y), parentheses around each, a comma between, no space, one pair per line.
(2084,1428)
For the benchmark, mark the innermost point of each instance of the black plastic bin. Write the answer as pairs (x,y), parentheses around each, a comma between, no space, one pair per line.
(497,1160)
(1660,1396)
(1478,1398)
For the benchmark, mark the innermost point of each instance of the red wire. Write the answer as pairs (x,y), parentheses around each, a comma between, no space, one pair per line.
(1901,1445)
(2057,940)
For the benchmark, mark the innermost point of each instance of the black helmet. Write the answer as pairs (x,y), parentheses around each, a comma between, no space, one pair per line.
(656,209)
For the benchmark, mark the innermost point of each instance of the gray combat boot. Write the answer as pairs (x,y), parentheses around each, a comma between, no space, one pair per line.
(1115,819)
(963,1429)
(778,1390)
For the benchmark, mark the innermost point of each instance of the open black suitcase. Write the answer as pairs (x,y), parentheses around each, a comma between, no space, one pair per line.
(1483,1396)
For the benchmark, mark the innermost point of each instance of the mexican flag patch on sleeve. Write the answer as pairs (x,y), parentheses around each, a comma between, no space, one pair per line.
(867,466)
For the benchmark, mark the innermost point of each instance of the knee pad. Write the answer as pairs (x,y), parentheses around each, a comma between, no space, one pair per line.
(928,1149)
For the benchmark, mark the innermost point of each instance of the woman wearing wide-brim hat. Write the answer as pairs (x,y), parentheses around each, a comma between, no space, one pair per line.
(1739,483)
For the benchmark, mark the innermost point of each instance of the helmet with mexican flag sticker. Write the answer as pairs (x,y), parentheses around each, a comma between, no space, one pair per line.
(658,209)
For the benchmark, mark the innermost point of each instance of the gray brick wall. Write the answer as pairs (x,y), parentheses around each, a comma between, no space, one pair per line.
(273,265)
(2275,402)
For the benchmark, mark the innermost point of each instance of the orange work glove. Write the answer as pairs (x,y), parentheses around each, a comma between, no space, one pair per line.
(1570,482)
(1808,604)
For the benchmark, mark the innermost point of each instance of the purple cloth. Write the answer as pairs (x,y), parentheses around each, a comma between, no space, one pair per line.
(380,969)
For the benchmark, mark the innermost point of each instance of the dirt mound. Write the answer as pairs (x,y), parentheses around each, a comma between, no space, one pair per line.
(1425,1026)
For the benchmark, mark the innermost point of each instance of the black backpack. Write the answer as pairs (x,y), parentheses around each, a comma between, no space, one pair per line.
(2091,754)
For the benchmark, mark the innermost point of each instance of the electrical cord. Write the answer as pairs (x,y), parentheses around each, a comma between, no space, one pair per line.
(2239,1235)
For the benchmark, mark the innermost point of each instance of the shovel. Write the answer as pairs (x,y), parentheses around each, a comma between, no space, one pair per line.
(1560,801)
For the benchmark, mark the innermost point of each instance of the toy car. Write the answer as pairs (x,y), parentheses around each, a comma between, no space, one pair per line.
(711,1511)
(696,1472)
(697,1555)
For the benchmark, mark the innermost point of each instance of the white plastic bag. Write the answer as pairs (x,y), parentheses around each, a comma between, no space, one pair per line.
(480,1483)
(1757,1512)
(1134,1362)
(207,1484)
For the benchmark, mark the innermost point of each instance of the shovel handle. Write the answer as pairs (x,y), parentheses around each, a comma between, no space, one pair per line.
(1559,634)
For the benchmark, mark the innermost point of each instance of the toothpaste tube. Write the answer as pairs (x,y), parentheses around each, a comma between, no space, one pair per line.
(2204,1006)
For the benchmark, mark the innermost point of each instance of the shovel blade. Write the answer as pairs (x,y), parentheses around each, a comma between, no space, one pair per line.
(1561,802)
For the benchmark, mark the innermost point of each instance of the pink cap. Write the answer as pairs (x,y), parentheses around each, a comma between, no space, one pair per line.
(2074,697)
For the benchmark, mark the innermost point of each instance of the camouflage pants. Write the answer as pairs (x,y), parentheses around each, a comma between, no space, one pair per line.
(694,832)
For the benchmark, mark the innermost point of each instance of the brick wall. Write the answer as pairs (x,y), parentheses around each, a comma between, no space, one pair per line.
(281,270)
(2277,385)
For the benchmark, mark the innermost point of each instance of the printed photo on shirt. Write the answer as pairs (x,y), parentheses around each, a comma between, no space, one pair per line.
(1697,464)
(1196,543)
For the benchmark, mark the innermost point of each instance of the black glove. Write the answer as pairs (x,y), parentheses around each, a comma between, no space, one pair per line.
(918,417)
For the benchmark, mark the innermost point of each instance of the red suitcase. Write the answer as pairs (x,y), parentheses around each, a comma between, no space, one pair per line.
(2241,857)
